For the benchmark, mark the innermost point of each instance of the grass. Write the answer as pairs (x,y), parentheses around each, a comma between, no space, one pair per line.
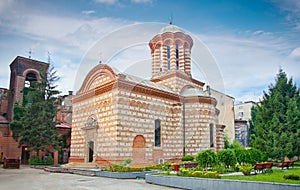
(276,176)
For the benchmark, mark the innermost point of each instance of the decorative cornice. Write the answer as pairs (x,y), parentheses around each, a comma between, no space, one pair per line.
(201,99)
(179,75)
(83,96)
(134,87)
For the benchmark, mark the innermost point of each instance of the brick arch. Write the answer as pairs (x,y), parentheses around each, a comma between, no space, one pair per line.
(96,72)
(179,41)
(168,41)
(139,142)
(34,71)
(139,150)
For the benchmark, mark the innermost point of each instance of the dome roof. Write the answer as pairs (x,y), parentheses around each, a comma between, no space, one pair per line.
(190,91)
(170,28)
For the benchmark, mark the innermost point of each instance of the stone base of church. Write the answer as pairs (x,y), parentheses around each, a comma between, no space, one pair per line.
(76,159)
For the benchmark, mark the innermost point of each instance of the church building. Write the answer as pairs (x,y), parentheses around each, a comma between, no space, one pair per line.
(118,116)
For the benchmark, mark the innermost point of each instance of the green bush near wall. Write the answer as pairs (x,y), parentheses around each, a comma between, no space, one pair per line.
(34,160)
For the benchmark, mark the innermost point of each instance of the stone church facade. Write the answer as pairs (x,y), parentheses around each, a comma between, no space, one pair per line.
(118,116)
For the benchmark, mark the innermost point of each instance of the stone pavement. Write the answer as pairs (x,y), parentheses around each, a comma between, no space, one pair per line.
(27,178)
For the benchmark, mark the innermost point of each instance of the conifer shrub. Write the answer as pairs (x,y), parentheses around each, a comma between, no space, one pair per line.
(291,177)
(187,158)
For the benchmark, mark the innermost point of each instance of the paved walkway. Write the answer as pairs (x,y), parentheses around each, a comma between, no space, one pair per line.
(34,179)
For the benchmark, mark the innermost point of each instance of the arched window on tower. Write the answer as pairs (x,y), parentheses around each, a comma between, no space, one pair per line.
(157,133)
(30,79)
(211,132)
(161,58)
(169,56)
(177,57)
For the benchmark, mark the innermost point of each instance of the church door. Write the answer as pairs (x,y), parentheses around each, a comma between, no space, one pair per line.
(25,155)
(139,150)
(91,151)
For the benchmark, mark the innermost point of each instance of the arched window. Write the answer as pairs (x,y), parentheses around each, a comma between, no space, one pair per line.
(177,57)
(157,133)
(161,58)
(169,56)
(177,51)
(30,79)
(211,132)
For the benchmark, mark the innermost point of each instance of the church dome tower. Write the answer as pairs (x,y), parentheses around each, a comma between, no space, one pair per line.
(171,51)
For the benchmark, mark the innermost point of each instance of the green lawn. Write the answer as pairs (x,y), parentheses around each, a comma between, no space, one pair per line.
(276,176)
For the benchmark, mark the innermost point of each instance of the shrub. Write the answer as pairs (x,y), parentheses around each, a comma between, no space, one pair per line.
(187,158)
(35,160)
(201,174)
(127,161)
(136,169)
(156,167)
(207,158)
(49,160)
(245,168)
(221,169)
(256,156)
(242,155)
(119,168)
(291,176)
(227,157)
(167,166)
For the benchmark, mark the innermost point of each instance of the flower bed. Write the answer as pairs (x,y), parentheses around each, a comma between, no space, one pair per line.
(205,183)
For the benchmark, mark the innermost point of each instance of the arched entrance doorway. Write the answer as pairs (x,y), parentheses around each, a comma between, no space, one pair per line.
(25,155)
(139,150)
(90,151)
(90,135)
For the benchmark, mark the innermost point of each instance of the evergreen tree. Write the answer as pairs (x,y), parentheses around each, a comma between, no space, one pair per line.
(276,121)
(34,120)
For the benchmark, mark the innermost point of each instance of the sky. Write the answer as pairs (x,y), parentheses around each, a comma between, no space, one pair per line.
(240,44)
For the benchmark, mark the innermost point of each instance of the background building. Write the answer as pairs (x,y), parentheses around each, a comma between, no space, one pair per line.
(226,107)
(23,71)
(242,112)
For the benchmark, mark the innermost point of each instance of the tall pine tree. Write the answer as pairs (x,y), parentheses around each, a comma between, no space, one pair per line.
(276,121)
(34,119)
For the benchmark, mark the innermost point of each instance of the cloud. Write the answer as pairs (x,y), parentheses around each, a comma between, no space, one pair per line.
(6,6)
(295,54)
(292,10)
(110,2)
(247,61)
(88,12)
(64,37)
(249,64)
(141,1)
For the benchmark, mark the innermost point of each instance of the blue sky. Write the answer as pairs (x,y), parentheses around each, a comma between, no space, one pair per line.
(249,40)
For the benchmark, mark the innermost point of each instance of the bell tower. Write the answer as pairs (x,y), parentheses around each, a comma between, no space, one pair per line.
(171,51)
(23,71)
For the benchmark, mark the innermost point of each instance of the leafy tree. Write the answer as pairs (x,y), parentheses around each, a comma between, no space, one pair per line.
(227,157)
(256,156)
(251,124)
(34,119)
(276,120)
(226,141)
(207,158)
(242,155)
(236,145)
